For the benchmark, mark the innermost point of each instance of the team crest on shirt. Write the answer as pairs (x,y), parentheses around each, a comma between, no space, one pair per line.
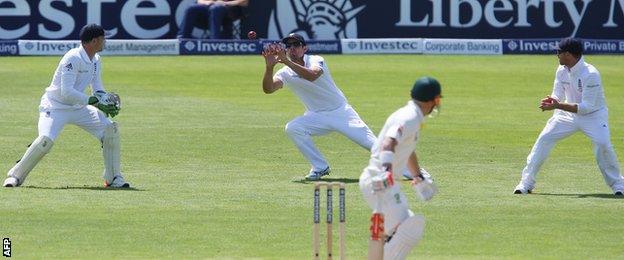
(580,86)
(69,67)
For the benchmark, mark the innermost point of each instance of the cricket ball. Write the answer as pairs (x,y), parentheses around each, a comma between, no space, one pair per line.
(251,35)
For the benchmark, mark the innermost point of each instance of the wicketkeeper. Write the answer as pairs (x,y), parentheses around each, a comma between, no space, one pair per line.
(392,154)
(64,102)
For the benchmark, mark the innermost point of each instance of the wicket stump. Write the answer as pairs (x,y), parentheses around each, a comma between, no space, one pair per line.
(317,217)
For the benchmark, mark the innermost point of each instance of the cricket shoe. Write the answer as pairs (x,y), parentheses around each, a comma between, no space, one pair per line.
(522,189)
(316,175)
(118,182)
(11,182)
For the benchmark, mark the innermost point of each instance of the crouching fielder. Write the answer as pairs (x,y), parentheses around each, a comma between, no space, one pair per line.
(392,154)
(64,102)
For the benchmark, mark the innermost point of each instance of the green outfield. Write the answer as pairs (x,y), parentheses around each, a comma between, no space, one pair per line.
(214,173)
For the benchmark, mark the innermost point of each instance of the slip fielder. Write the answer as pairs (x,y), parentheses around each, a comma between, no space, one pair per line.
(578,84)
(327,109)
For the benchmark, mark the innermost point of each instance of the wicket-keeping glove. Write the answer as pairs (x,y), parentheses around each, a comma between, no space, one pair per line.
(109,103)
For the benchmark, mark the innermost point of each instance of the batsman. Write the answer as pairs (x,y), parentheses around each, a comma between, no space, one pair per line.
(64,102)
(395,229)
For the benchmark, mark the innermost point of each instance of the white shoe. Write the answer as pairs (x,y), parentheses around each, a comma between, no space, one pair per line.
(522,189)
(118,182)
(11,182)
(315,176)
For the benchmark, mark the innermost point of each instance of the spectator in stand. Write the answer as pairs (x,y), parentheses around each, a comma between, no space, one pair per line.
(216,15)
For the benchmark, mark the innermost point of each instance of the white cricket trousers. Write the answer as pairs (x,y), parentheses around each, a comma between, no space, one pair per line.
(89,118)
(561,125)
(343,120)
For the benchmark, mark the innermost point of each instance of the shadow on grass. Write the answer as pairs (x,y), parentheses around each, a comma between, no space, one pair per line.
(81,188)
(592,195)
(326,179)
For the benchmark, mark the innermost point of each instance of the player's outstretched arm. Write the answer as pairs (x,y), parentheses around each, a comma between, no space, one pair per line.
(269,84)
(310,74)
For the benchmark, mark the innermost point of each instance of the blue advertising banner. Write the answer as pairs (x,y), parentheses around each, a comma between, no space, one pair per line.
(62,19)
(325,19)
(219,47)
(9,48)
(548,46)
(530,46)
(603,46)
(324,47)
(314,47)
(468,19)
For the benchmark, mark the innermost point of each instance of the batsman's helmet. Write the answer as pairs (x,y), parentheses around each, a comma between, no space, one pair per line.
(426,89)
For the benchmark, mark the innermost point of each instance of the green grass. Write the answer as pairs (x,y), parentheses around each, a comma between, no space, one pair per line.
(214,171)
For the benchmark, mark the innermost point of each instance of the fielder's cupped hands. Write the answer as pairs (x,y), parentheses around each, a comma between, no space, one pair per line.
(280,51)
(270,56)
(548,103)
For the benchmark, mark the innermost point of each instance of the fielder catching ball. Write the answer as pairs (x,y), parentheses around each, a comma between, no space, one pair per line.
(327,109)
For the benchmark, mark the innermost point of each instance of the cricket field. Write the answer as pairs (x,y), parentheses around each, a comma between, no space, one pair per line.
(215,176)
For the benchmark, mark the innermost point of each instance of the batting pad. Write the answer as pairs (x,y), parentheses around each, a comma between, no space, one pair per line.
(409,232)
(111,149)
(39,148)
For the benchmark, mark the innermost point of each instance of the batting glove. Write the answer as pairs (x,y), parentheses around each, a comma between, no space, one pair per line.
(382,181)
(424,187)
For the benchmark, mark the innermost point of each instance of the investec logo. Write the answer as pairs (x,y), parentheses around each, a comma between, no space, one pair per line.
(314,19)
(220,46)
(47,46)
(533,45)
(385,44)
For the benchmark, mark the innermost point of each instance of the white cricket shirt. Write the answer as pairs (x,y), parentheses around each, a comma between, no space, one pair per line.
(319,95)
(73,74)
(404,126)
(581,85)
